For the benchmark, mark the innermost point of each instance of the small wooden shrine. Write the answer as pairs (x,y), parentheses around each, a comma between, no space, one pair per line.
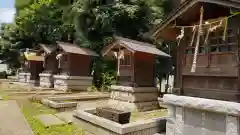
(32,66)
(207,35)
(49,65)
(136,73)
(74,67)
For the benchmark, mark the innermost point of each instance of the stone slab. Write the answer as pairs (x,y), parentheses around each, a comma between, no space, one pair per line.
(57,105)
(12,120)
(1,98)
(218,106)
(49,120)
(65,116)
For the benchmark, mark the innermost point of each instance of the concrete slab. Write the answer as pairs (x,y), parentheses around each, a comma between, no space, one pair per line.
(49,120)
(65,116)
(12,120)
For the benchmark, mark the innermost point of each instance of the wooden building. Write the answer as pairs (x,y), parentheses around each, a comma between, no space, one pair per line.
(50,65)
(136,73)
(207,34)
(32,66)
(74,67)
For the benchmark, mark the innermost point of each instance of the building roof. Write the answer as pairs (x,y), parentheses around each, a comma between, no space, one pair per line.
(135,46)
(33,57)
(73,48)
(48,48)
(188,4)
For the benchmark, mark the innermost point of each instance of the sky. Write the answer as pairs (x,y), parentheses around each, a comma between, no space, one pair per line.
(7,11)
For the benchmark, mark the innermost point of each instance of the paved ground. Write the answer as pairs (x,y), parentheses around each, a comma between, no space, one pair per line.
(12,121)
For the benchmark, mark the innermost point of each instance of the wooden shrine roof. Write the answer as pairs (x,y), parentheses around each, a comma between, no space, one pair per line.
(184,7)
(73,48)
(48,48)
(135,46)
(33,57)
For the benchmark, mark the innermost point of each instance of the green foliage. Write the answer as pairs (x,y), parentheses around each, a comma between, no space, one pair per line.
(31,110)
(7,42)
(92,89)
(19,4)
(96,21)
(108,80)
(41,21)
(3,75)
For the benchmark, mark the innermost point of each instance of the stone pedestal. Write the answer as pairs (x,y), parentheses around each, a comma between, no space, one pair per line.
(65,83)
(34,83)
(134,99)
(200,116)
(24,78)
(46,80)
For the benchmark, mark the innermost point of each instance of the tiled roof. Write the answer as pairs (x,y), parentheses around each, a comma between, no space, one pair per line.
(136,46)
(48,48)
(141,46)
(73,48)
(33,57)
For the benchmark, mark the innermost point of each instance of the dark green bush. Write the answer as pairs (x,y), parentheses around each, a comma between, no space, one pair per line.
(3,75)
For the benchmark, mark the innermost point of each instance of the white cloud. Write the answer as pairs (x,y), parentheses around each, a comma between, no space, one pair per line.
(7,15)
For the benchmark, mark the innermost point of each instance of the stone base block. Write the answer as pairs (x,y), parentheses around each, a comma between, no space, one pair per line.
(130,98)
(201,116)
(46,80)
(24,77)
(65,83)
(127,106)
(28,76)
(34,83)
(94,125)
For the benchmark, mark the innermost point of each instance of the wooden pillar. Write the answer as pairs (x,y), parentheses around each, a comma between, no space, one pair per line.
(133,80)
(68,63)
(238,58)
(181,59)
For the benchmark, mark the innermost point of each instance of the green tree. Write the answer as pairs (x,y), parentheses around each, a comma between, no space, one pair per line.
(39,21)
(90,23)
(7,38)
